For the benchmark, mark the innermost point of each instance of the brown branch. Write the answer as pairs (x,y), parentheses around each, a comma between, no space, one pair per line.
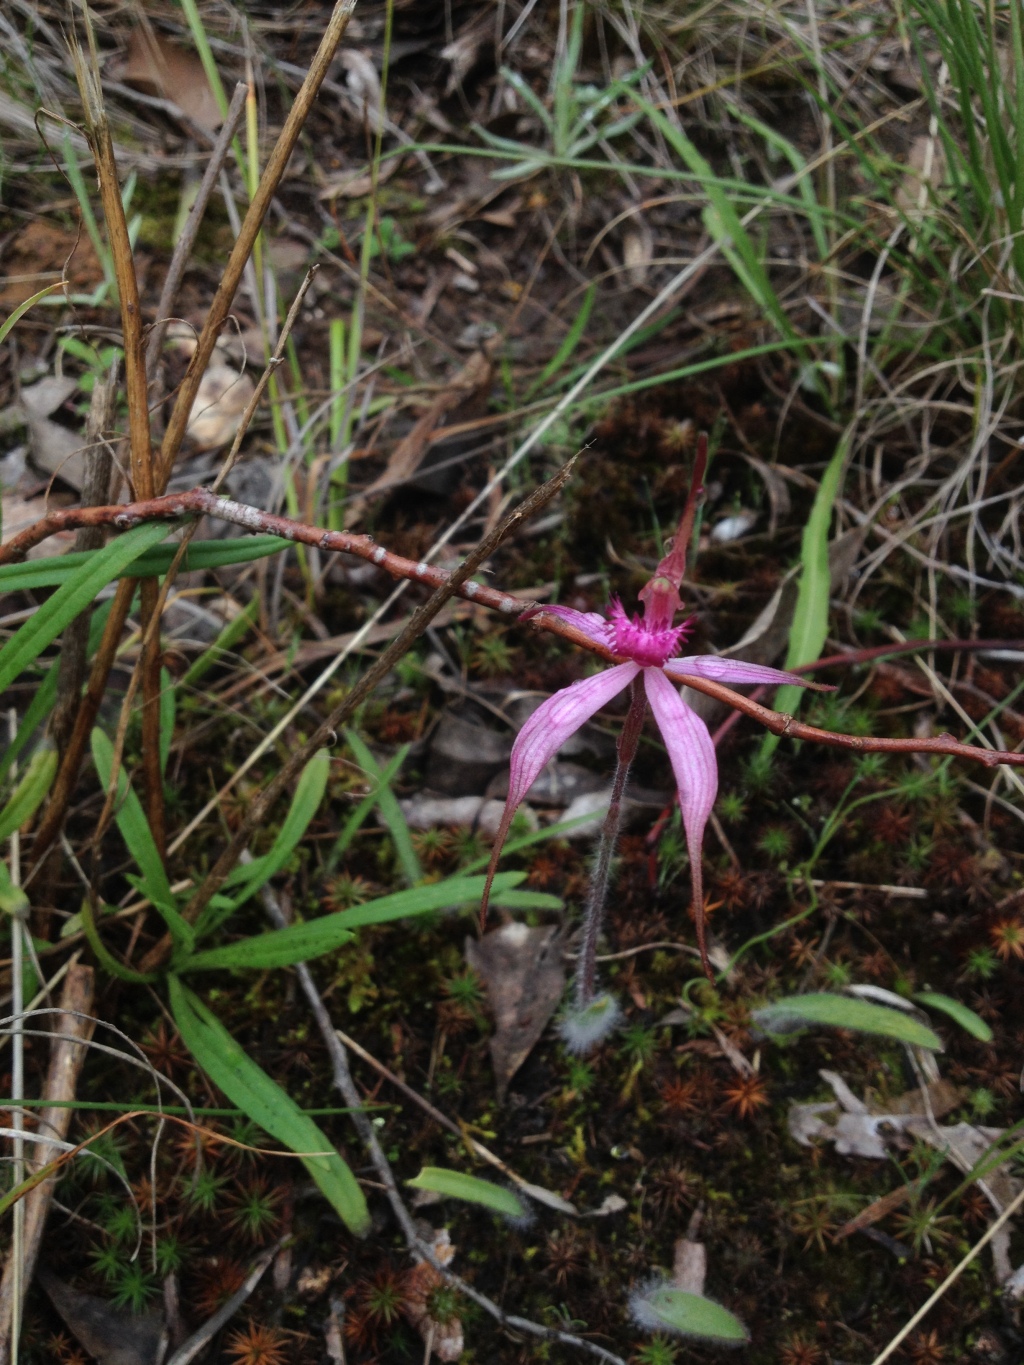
(137,394)
(183,246)
(200,501)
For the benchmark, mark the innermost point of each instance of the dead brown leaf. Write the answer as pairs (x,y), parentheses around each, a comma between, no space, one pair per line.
(471,382)
(156,66)
(523,972)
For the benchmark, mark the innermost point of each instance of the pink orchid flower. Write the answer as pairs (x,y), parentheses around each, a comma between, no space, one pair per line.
(648,646)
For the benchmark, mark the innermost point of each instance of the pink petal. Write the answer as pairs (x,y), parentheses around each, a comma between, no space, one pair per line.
(555,720)
(593,625)
(544,734)
(717,669)
(695,766)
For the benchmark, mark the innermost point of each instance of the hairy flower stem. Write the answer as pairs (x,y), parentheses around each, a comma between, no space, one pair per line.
(586,970)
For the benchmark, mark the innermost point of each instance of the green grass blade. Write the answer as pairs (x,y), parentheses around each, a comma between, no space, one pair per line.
(309,792)
(23,308)
(391,812)
(355,821)
(252,1090)
(72,598)
(569,343)
(810,618)
(224,643)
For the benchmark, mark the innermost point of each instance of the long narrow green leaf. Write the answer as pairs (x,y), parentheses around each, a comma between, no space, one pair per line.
(569,343)
(844,1011)
(309,792)
(810,617)
(45,694)
(390,810)
(355,821)
(456,1185)
(201,554)
(30,792)
(135,831)
(73,597)
(302,942)
(167,711)
(263,1100)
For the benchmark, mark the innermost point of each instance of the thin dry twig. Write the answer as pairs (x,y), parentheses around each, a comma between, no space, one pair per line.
(137,393)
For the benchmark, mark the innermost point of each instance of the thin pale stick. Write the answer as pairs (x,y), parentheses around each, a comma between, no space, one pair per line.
(950,1279)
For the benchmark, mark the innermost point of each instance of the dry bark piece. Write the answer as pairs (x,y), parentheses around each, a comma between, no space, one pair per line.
(55,448)
(523,972)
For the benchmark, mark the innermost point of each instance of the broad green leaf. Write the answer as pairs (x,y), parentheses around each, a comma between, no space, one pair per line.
(30,792)
(302,942)
(43,627)
(134,827)
(966,1018)
(691,1315)
(309,792)
(201,554)
(843,1011)
(455,1185)
(263,1100)
(387,803)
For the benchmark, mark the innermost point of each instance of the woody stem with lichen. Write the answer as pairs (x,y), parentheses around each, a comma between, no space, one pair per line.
(629,740)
